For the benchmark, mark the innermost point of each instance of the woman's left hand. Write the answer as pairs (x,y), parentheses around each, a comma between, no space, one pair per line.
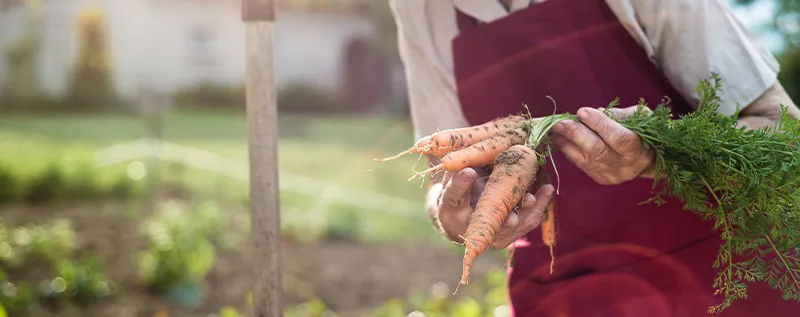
(605,150)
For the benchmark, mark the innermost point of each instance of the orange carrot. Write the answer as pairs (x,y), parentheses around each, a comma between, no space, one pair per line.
(446,141)
(548,218)
(513,172)
(549,231)
(479,154)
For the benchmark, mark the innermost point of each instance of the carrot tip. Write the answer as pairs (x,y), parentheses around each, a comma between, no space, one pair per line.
(552,260)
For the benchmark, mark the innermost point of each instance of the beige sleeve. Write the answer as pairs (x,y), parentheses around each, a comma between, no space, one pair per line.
(689,39)
(432,99)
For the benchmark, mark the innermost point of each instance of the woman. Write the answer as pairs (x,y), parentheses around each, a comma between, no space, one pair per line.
(470,61)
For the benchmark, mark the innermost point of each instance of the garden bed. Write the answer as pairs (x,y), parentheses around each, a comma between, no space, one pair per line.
(349,277)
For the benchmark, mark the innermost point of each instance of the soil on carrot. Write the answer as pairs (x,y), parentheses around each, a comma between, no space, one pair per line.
(351,278)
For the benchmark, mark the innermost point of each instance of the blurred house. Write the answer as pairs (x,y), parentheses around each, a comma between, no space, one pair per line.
(173,44)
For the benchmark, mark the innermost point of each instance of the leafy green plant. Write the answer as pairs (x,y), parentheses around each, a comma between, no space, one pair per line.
(40,182)
(487,297)
(80,282)
(180,249)
(15,297)
(311,308)
(342,222)
(45,187)
(51,242)
(300,97)
(229,311)
(745,180)
(211,95)
(8,185)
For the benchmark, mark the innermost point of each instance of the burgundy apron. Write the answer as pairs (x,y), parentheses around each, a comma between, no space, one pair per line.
(614,257)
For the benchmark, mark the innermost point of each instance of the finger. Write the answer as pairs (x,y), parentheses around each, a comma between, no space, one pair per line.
(456,192)
(512,220)
(614,135)
(448,175)
(528,218)
(532,212)
(445,180)
(581,135)
(573,153)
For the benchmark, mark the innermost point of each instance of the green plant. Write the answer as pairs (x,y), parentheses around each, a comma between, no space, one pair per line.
(211,95)
(45,187)
(489,297)
(78,282)
(342,223)
(8,184)
(229,311)
(304,98)
(311,308)
(51,242)
(15,297)
(180,249)
(39,181)
(744,180)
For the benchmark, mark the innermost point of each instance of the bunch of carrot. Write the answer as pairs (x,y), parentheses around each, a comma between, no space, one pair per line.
(743,180)
(510,144)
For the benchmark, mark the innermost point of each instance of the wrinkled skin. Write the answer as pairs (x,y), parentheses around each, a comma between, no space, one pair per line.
(605,150)
(451,202)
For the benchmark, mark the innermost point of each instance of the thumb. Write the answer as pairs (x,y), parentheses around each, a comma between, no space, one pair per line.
(456,191)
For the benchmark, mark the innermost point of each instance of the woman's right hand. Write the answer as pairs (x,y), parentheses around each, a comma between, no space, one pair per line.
(452,202)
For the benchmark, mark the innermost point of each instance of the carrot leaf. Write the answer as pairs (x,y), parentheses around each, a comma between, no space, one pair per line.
(745,180)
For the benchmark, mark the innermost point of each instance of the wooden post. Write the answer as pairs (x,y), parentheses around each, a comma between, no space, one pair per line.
(262,119)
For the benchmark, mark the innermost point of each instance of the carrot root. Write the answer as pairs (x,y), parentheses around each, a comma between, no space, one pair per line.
(399,155)
(549,232)
(513,173)
(432,169)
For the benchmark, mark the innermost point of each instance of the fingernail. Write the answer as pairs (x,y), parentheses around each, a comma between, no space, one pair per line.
(528,200)
(512,219)
(466,176)
(583,113)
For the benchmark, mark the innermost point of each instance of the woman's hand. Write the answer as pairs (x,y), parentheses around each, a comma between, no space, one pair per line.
(605,150)
(451,202)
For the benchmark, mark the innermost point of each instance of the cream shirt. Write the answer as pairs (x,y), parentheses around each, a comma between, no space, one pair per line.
(686,39)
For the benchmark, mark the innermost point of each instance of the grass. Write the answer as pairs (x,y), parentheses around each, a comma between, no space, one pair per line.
(323,161)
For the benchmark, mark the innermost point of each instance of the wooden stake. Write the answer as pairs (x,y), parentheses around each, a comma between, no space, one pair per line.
(262,119)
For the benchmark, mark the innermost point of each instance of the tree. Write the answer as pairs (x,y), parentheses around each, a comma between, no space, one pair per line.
(90,84)
(21,86)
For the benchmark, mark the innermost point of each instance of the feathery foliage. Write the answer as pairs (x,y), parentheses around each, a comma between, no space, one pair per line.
(745,180)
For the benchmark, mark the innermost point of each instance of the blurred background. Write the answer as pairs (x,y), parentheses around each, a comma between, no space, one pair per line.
(123,162)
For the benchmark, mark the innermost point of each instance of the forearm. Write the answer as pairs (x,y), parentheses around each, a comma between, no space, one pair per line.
(765,110)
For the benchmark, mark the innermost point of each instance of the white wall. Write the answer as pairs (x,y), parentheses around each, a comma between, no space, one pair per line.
(151,42)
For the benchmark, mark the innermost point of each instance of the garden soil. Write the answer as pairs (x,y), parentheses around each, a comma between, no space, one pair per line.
(351,278)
